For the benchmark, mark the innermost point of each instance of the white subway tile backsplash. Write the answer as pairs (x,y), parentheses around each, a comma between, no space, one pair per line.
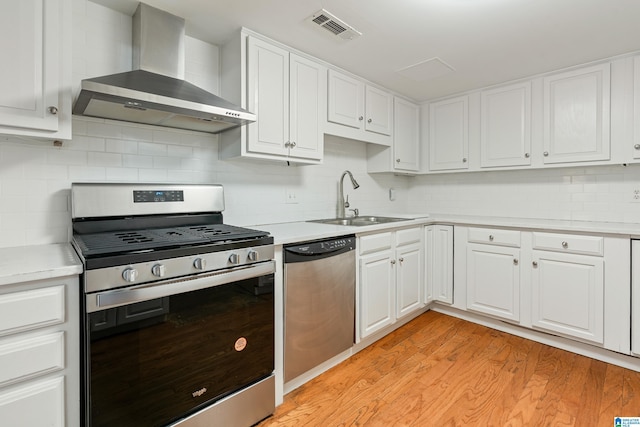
(152,149)
(121,146)
(134,161)
(104,159)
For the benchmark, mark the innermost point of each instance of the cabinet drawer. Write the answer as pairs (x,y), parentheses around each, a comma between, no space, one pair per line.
(408,236)
(21,311)
(375,242)
(569,243)
(493,236)
(29,357)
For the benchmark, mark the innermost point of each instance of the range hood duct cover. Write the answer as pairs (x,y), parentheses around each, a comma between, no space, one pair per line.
(155,93)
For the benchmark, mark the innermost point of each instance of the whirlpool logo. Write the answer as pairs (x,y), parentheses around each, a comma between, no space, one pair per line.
(200,392)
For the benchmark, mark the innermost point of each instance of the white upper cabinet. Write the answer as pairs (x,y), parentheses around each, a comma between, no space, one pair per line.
(449,134)
(35,95)
(505,138)
(406,138)
(577,115)
(307,105)
(378,110)
(287,93)
(346,100)
(357,110)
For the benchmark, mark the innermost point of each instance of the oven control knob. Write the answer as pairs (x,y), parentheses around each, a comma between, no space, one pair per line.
(200,263)
(234,259)
(158,270)
(130,274)
(252,256)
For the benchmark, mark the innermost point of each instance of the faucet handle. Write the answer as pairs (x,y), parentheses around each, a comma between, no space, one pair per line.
(356,212)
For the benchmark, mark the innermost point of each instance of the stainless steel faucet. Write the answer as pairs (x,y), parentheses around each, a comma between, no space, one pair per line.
(342,203)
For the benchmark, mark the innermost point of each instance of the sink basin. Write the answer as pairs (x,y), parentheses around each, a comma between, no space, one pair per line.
(359,220)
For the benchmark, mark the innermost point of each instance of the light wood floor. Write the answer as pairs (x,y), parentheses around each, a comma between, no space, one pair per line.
(441,371)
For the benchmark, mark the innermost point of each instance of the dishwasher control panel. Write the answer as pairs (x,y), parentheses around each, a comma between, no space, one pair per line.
(321,247)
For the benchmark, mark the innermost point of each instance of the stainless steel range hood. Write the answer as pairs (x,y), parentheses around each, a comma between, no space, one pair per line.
(156,93)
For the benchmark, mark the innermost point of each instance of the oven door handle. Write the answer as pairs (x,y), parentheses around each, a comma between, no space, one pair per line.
(119,297)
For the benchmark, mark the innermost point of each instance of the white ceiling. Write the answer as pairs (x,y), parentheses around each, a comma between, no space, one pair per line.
(485,41)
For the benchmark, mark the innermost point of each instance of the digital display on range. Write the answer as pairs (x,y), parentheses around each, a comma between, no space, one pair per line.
(158,196)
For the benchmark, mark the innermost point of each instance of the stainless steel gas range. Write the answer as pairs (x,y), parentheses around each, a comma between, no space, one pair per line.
(178,308)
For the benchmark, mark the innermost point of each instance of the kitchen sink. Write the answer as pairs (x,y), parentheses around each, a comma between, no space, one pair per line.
(359,220)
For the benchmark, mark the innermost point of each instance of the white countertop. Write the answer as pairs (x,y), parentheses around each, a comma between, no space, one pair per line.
(28,263)
(291,232)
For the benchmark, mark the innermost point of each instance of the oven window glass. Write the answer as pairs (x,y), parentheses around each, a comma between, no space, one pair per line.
(154,362)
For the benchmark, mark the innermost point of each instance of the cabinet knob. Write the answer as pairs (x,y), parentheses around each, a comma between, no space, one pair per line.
(369,121)
(515,261)
(287,144)
(293,144)
(360,118)
(397,160)
(527,155)
(546,154)
(637,146)
(464,160)
(565,245)
(53,110)
(393,261)
(535,263)
(401,259)
(491,237)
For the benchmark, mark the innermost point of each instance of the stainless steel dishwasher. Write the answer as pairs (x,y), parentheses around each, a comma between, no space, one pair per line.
(319,287)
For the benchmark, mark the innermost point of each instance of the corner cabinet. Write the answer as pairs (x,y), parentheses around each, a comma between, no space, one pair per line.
(357,110)
(39,354)
(438,263)
(285,92)
(35,90)
(404,156)
(390,278)
(449,134)
(577,115)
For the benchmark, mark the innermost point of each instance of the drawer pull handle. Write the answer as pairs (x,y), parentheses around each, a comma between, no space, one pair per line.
(565,245)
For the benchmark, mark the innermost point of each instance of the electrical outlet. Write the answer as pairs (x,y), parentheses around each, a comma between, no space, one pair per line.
(636,195)
(291,196)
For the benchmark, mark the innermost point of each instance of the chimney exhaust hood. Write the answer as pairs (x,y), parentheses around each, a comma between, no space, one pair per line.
(156,93)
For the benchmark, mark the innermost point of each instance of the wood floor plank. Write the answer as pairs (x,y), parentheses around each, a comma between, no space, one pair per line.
(439,370)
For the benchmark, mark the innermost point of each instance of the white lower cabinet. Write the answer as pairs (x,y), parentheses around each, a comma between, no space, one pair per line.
(568,294)
(39,354)
(571,285)
(493,280)
(390,277)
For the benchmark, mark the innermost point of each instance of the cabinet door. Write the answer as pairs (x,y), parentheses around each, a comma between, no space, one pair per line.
(493,280)
(439,263)
(30,78)
(408,279)
(268,98)
(576,115)
(379,111)
(307,92)
(635,297)
(636,107)
(505,138)
(346,100)
(449,134)
(406,135)
(377,285)
(568,294)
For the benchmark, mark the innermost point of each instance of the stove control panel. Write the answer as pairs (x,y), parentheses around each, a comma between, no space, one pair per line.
(163,269)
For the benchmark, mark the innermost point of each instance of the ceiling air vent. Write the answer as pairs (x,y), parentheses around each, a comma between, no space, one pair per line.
(334,25)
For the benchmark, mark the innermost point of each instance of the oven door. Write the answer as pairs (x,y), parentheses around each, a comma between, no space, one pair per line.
(155,354)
